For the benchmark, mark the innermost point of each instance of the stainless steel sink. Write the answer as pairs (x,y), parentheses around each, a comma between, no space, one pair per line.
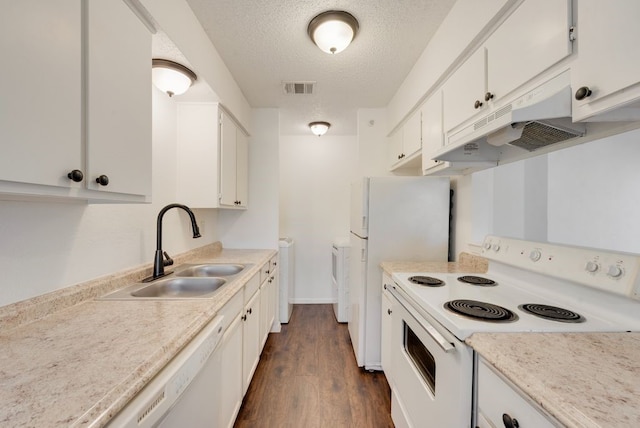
(180,287)
(209,270)
(191,281)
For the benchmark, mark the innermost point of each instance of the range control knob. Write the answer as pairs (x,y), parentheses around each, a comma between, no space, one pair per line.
(495,247)
(592,267)
(535,255)
(615,271)
(487,246)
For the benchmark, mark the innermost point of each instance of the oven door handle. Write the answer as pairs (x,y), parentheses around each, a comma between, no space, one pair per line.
(435,334)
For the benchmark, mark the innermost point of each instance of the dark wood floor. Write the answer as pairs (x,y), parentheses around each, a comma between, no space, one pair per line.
(308,378)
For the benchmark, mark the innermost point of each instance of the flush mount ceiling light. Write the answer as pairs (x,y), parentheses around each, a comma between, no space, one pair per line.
(333,31)
(171,77)
(319,128)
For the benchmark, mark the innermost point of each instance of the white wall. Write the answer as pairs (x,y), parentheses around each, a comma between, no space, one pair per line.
(586,195)
(315,177)
(594,194)
(257,227)
(46,246)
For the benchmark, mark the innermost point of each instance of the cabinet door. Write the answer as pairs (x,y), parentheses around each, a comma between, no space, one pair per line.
(40,101)
(412,134)
(118,99)
(432,135)
(532,39)
(265,291)
(385,336)
(197,155)
(395,147)
(228,138)
(608,56)
(251,340)
(231,374)
(464,91)
(242,168)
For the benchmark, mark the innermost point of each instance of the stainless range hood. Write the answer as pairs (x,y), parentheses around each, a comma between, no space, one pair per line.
(539,118)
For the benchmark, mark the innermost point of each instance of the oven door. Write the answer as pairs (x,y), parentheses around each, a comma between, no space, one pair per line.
(432,369)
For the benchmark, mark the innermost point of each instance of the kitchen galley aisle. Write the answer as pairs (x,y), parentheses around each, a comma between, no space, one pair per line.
(308,377)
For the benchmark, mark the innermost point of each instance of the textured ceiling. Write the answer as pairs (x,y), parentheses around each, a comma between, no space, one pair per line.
(265,42)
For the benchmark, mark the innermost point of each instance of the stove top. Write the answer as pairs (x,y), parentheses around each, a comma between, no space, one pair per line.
(532,287)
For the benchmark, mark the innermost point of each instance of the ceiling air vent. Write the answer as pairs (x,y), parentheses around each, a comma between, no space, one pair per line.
(299,88)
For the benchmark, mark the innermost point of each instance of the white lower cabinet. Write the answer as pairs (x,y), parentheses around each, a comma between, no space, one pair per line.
(387,328)
(499,404)
(268,299)
(230,398)
(250,331)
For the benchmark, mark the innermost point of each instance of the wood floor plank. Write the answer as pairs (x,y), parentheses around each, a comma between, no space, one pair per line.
(308,377)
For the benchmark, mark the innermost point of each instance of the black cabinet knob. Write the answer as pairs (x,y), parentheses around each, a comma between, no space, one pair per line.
(249,311)
(244,318)
(509,422)
(103,180)
(477,104)
(76,175)
(389,311)
(583,93)
(488,96)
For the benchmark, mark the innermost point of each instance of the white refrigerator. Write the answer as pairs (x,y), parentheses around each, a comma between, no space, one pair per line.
(392,219)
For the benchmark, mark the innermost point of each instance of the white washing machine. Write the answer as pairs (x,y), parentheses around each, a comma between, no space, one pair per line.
(340,278)
(286,262)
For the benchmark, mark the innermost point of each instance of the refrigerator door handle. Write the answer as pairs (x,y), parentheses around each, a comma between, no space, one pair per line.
(363,254)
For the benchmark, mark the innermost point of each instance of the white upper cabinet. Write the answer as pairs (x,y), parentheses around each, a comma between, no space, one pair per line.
(40,111)
(76,91)
(212,158)
(464,91)
(605,75)
(406,143)
(531,40)
(118,99)
(234,164)
(432,135)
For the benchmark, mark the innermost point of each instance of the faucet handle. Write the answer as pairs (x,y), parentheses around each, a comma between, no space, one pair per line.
(168,261)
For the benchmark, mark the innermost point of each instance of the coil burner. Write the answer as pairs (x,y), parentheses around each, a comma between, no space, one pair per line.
(477,280)
(480,311)
(426,281)
(552,313)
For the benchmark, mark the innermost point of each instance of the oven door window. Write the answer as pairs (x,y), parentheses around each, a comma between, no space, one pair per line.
(421,357)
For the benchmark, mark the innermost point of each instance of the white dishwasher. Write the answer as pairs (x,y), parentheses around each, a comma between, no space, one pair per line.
(185,392)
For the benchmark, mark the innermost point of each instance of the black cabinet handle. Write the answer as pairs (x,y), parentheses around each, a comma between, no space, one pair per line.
(389,311)
(488,96)
(583,93)
(249,311)
(509,422)
(244,317)
(477,104)
(103,180)
(76,175)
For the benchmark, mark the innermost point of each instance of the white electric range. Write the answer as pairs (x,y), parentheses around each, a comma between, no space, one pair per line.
(528,287)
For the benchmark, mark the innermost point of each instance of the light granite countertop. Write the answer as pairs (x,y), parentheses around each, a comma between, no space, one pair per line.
(584,380)
(466,263)
(67,359)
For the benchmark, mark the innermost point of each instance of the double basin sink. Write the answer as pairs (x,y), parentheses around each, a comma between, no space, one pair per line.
(190,281)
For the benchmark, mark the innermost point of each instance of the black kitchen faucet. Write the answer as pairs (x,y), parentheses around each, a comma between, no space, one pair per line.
(159,261)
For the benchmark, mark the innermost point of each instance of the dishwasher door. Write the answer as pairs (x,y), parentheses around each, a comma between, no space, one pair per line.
(184,393)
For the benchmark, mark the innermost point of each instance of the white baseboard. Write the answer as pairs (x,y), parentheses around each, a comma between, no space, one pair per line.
(312,301)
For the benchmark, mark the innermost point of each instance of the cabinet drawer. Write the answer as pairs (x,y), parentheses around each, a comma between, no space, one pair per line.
(231,310)
(496,398)
(251,287)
